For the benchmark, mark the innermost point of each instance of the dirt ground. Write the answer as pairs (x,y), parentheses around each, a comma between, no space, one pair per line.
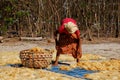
(9,55)
(109,47)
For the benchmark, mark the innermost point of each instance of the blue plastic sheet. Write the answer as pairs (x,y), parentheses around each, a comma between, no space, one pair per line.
(76,72)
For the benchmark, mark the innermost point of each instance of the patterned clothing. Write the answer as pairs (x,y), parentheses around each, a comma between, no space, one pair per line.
(67,42)
(68,45)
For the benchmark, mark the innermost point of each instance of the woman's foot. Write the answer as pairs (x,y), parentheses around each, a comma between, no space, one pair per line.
(78,60)
(55,63)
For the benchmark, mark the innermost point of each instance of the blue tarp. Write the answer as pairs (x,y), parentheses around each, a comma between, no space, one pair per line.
(76,72)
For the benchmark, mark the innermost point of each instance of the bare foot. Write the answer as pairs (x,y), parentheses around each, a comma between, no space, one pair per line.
(55,64)
(77,60)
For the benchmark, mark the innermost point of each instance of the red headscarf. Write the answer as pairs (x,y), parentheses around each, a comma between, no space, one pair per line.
(62,28)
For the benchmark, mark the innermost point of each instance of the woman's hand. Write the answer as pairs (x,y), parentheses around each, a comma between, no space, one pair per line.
(74,36)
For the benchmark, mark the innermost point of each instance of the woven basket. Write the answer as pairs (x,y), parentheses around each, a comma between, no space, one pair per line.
(35,59)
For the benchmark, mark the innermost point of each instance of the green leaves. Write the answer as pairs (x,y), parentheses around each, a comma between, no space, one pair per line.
(22,13)
(8,9)
(3,29)
(9,21)
(83,4)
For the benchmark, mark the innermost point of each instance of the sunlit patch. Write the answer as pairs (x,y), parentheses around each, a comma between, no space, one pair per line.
(91,67)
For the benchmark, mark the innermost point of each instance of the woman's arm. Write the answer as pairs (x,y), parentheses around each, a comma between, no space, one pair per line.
(79,46)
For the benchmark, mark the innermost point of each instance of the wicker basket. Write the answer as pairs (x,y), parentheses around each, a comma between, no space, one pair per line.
(35,60)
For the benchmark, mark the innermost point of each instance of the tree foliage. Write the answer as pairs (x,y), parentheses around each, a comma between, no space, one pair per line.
(96,18)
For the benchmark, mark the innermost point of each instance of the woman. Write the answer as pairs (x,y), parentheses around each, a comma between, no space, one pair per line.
(69,39)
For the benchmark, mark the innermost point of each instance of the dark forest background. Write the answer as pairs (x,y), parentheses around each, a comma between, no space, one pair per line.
(34,18)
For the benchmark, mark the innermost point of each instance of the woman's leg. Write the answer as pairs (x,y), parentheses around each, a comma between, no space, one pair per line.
(79,55)
(56,60)
(78,60)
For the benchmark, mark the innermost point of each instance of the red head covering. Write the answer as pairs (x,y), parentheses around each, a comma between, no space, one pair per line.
(62,28)
(66,20)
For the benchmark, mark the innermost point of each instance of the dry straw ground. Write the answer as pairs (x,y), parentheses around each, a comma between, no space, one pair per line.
(98,52)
